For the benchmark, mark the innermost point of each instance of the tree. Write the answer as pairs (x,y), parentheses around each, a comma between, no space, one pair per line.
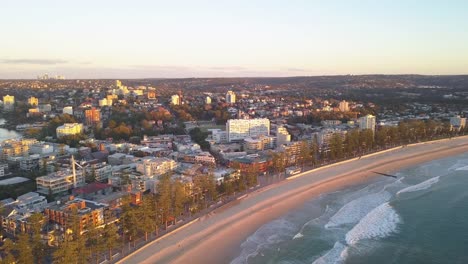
(180,198)
(129,219)
(336,147)
(211,186)
(164,199)
(279,162)
(95,242)
(147,213)
(228,186)
(36,221)
(25,249)
(252,175)
(111,238)
(66,251)
(8,248)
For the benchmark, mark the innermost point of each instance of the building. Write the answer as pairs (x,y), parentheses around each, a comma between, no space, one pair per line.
(208,100)
(30,163)
(41,148)
(175,99)
(90,213)
(151,95)
(367,122)
(282,136)
(68,110)
(93,116)
(252,145)
(458,122)
(31,201)
(219,136)
(69,129)
(15,148)
(100,171)
(105,102)
(118,83)
(92,190)
(205,158)
(44,108)
(59,182)
(8,102)
(33,101)
(259,163)
(344,106)
(3,169)
(153,167)
(239,129)
(331,123)
(230,97)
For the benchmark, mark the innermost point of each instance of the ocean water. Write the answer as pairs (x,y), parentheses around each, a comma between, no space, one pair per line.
(420,217)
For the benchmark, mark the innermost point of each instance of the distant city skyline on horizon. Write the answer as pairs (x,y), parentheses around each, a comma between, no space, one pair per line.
(203,39)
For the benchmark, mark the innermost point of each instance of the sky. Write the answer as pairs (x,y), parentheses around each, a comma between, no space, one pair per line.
(221,38)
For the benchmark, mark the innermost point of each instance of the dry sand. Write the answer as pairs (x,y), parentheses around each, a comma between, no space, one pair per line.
(216,238)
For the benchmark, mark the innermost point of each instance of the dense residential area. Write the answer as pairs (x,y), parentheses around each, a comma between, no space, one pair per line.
(98,168)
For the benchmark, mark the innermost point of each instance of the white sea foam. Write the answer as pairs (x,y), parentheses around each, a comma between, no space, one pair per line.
(355,210)
(298,235)
(336,255)
(420,186)
(271,233)
(462,168)
(379,223)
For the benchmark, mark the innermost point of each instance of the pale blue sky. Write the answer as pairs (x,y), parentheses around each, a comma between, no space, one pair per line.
(133,39)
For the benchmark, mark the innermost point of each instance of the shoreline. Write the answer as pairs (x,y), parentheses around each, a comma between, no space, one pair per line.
(216,237)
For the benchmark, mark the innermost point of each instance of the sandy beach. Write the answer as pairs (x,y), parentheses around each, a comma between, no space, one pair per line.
(216,238)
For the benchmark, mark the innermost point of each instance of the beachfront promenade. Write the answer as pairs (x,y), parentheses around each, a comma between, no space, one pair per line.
(216,237)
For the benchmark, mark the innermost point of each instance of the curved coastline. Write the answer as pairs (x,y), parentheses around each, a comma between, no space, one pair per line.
(215,238)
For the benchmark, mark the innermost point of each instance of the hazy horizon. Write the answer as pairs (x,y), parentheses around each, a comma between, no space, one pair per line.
(204,39)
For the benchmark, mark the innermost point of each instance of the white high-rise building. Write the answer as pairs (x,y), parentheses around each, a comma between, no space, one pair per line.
(344,106)
(175,99)
(230,97)
(367,122)
(238,129)
(208,100)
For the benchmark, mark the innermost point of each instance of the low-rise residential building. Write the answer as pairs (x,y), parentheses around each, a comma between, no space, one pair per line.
(30,162)
(154,167)
(69,129)
(60,181)
(100,171)
(90,213)
(31,201)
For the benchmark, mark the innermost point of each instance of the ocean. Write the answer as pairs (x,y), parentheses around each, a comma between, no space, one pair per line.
(420,217)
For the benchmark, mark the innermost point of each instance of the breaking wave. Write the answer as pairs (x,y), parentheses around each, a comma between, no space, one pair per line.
(379,223)
(336,255)
(355,210)
(420,186)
